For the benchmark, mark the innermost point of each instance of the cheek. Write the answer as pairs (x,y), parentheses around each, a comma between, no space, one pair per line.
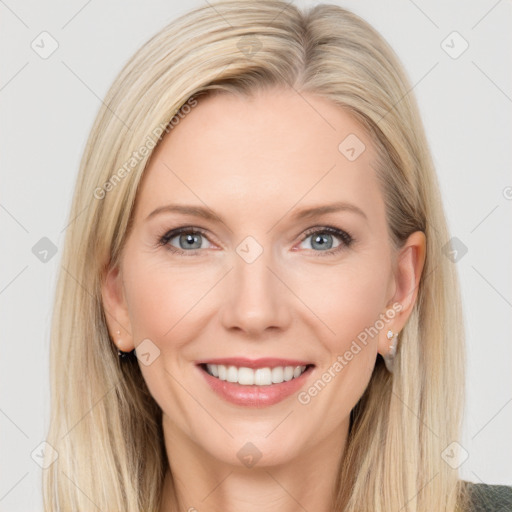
(347,298)
(168,304)
(161,297)
(351,305)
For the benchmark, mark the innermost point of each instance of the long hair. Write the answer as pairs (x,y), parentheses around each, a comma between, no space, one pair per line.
(104,424)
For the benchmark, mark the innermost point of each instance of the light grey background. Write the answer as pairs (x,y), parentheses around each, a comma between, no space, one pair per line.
(47,109)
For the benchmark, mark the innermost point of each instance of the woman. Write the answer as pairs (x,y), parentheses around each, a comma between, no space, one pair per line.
(254,309)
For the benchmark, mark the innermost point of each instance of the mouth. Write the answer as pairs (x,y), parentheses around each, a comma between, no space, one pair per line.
(263,376)
(255,383)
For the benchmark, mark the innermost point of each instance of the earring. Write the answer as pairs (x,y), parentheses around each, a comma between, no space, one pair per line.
(389,358)
(123,356)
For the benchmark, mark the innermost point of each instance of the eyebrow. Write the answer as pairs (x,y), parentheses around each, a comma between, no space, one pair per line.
(307,213)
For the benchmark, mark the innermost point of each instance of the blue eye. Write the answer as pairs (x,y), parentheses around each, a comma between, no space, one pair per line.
(327,239)
(323,241)
(187,240)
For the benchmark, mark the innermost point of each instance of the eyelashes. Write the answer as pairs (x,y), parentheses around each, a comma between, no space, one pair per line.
(191,236)
(173,233)
(345,238)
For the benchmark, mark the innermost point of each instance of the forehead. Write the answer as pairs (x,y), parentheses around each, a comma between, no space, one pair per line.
(275,149)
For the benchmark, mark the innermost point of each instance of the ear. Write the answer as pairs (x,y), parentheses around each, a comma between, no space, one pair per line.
(116,311)
(407,274)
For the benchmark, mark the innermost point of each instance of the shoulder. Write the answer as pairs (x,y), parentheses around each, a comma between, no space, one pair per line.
(489,498)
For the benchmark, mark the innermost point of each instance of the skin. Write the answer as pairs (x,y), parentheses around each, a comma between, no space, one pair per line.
(255,162)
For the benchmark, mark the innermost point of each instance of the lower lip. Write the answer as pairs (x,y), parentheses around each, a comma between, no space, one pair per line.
(255,396)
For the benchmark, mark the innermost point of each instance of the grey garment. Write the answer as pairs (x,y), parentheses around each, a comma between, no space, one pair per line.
(490,498)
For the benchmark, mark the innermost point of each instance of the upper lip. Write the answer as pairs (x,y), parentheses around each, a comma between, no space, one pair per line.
(264,362)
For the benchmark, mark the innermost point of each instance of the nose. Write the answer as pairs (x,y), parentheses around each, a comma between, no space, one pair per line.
(256,299)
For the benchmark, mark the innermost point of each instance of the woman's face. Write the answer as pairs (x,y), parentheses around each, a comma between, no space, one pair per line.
(257,273)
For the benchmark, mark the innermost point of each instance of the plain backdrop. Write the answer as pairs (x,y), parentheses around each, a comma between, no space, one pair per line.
(47,109)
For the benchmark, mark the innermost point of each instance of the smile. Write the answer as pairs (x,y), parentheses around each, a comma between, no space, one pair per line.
(255,382)
(257,377)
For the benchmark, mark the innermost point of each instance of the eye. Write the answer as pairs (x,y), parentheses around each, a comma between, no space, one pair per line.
(183,240)
(321,240)
(326,239)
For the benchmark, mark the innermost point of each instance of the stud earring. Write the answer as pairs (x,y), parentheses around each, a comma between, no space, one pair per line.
(389,358)
(123,356)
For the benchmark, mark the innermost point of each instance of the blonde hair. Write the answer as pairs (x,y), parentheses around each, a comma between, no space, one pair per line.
(104,423)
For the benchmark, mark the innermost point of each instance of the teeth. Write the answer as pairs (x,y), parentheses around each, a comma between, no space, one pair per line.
(288,373)
(277,374)
(258,377)
(232,374)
